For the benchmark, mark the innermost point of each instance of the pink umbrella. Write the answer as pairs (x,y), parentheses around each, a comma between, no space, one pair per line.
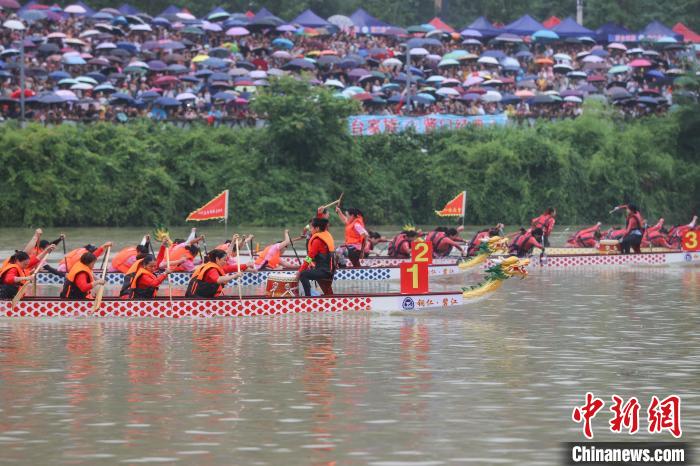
(237,31)
(640,63)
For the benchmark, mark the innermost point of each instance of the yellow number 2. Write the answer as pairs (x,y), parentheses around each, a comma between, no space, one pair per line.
(422,250)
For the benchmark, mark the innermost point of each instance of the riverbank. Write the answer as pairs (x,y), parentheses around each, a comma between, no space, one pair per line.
(147,173)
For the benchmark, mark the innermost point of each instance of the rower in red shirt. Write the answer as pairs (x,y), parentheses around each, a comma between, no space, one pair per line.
(586,238)
(656,236)
(145,283)
(208,279)
(444,241)
(17,270)
(524,242)
(675,236)
(319,264)
(80,279)
(400,245)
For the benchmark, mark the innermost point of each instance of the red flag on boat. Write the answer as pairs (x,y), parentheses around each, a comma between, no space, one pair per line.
(455,208)
(216,208)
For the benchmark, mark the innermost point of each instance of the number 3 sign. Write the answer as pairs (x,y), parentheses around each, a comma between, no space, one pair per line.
(414,275)
(691,241)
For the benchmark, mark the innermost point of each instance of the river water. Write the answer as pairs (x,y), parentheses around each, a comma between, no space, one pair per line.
(493,382)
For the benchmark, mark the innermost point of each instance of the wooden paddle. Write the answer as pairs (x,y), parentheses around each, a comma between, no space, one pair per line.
(238,264)
(25,286)
(168,243)
(337,201)
(101,290)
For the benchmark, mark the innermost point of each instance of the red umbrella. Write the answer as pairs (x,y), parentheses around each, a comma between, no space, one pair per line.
(363,96)
(27,93)
(596,78)
(165,80)
(11,4)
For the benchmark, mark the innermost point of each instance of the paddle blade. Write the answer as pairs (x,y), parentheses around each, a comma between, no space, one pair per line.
(20,294)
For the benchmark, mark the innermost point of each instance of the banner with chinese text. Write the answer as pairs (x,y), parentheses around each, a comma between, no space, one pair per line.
(366,125)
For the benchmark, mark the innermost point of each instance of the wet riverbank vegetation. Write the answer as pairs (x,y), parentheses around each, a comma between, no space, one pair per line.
(145,173)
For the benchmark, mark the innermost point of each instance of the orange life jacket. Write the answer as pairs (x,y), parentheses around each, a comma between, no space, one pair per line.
(273,262)
(7,266)
(73,257)
(70,289)
(119,261)
(199,288)
(177,253)
(136,292)
(128,276)
(325,261)
(351,235)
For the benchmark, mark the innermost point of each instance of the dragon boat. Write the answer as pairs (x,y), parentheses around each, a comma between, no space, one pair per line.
(256,305)
(258,278)
(565,258)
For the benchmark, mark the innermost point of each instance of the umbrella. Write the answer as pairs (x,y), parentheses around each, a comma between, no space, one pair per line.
(75,9)
(492,96)
(68,96)
(524,94)
(543,99)
(239,31)
(471,33)
(81,87)
(573,99)
(510,62)
(282,43)
(424,99)
(448,62)
(617,46)
(73,60)
(224,95)
(618,93)
(166,102)
(334,83)
(157,65)
(10,4)
(473,81)
(299,63)
(186,96)
(640,63)
(165,80)
(418,51)
(488,60)
(58,75)
(447,91)
(392,62)
(619,69)
(544,35)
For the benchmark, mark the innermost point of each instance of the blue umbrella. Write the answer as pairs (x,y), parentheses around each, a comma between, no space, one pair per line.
(97,76)
(73,60)
(120,97)
(224,96)
(32,15)
(102,16)
(524,54)
(52,98)
(157,65)
(203,73)
(128,46)
(167,102)
(299,63)
(282,43)
(498,54)
(58,75)
(545,35)
(177,68)
(190,79)
(162,22)
(149,96)
(219,77)
(212,62)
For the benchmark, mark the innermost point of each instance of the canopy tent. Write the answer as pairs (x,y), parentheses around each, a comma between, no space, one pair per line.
(437,23)
(263,13)
(611,32)
(366,23)
(127,9)
(688,34)
(550,22)
(308,18)
(568,27)
(524,26)
(171,10)
(484,26)
(656,30)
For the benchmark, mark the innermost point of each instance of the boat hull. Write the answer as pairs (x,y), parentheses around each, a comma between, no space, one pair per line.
(258,278)
(575,261)
(232,307)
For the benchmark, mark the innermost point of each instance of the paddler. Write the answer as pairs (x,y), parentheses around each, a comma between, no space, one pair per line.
(80,279)
(144,283)
(208,279)
(444,239)
(375,238)
(228,247)
(655,236)
(125,258)
(183,255)
(17,270)
(524,243)
(319,263)
(400,245)
(634,229)
(355,234)
(483,235)
(545,222)
(675,236)
(586,238)
(73,257)
(271,257)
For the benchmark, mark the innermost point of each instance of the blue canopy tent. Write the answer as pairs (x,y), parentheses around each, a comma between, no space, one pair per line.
(485,27)
(127,9)
(524,26)
(171,10)
(310,19)
(611,32)
(568,27)
(366,23)
(656,30)
(263,13)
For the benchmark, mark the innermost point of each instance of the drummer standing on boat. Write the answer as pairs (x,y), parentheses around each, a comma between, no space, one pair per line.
(546,223)
(634,231)
(319,264)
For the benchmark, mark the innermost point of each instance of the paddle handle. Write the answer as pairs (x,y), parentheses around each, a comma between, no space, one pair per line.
(101,290)
(167,264)
(25,286)
(238,265)
(337,201)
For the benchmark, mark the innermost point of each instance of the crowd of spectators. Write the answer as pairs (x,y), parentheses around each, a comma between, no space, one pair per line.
(109,65)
